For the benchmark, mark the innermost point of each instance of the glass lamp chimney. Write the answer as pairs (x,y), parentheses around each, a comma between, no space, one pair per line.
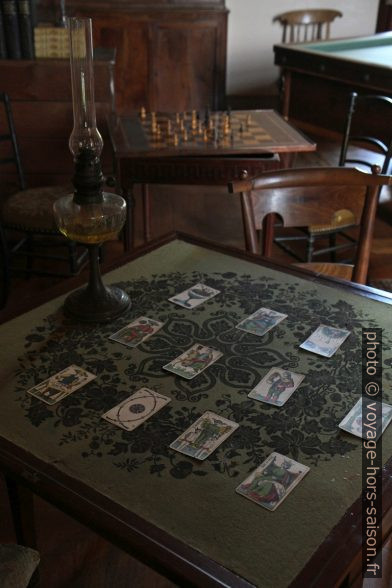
(85,134)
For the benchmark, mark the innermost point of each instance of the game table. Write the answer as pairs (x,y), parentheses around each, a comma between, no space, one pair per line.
(319,77)
(182,516)
(258,140)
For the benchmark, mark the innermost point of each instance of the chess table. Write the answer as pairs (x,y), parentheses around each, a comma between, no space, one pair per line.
(257,140)
(180,516)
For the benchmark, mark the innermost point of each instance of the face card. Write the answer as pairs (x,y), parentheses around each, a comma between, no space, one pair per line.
(261,321)
(352,422)
(137,331)
(272,481)
(325,340)
(136,409)
(276,387)
(194,296)
(204,436)
(192,362)
(61,384)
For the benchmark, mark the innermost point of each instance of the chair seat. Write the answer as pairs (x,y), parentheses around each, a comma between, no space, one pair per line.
(342,219)
(337,270)
(32,210)
(17,565)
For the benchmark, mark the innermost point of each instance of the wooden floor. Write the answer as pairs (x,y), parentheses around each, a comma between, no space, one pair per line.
(72,556)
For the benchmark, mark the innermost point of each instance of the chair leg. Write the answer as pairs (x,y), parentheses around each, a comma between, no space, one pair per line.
(29,256)
(310,248)
(332,244)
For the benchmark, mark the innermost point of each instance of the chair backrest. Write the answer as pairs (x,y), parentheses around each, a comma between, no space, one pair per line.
(300,26)
(303,197)
(359,131)
(9,150)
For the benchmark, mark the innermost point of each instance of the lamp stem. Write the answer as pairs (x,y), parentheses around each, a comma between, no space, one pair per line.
(95,285)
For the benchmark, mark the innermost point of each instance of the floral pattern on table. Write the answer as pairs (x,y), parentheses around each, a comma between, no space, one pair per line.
(304,428)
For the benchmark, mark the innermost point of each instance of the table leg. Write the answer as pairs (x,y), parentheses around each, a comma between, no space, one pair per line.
(146,213)
(286,93)
(21,501)
(250,232)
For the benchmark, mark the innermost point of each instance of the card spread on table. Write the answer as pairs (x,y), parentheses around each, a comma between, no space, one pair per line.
(204,436)
(277,386)
(325,340)
(194,296)
(192,362)
(136,409)
(137,331)
(270,483)
(261,321)
(352,422)
(61,384)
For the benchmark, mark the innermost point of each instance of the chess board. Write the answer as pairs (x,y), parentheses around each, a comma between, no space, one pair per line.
(239,130)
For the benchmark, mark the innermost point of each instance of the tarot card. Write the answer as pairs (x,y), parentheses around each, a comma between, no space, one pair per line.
(194,296)
(192,362)
(352,422)
(325,340)
(136,409)
(261,321)
(204,436)
(137,331)
(270,483)
(276,387)
(61,384)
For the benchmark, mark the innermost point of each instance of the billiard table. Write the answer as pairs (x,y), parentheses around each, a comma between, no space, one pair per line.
(319,76)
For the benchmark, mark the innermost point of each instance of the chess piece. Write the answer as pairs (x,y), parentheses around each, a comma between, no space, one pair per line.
(205,136)
(241,128)
(185,135)
(175,139)
(143,113)
(248,119)
(177,118)
(169,128)
(193,120)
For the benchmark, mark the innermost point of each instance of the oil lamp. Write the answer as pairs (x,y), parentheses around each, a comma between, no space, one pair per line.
(89,216)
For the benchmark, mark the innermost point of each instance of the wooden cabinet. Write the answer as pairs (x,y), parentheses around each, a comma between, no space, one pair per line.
(170,56)
(41,99)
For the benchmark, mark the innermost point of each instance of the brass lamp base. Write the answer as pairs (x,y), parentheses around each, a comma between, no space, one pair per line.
(96,303)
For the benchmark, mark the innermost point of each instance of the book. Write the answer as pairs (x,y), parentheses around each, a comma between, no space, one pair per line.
(11,29)
(25,29)
(3,48)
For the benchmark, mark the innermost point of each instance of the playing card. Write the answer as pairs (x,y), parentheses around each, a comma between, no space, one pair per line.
(352,422)
(192,362)
(194,296)
(204,436)
(137,331)
(136,409)
(261,321)
(277,386)
(270,483)
(325,340)
(61,384)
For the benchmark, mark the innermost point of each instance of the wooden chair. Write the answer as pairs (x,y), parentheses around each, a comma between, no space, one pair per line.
(311,196)
(4,270)
(301,26)
(362,148)
(28,213)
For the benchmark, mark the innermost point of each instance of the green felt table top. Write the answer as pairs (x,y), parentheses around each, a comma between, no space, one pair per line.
(196,501)
(372,50)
